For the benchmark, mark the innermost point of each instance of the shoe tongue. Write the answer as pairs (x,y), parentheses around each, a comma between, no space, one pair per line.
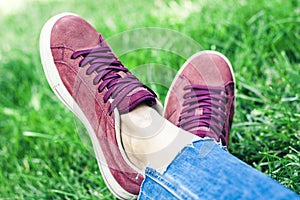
(138,96)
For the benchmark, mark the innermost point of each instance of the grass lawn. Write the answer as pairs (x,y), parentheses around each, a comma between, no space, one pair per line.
(42,155)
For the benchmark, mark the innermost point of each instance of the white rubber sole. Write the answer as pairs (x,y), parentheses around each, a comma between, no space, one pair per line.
(62,93)
(187,62)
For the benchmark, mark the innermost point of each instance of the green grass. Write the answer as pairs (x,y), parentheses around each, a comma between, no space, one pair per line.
(41,153)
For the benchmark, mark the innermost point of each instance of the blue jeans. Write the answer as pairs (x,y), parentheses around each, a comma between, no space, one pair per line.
(205,170)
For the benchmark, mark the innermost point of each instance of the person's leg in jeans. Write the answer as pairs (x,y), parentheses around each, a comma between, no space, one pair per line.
(205,170)
(201,101)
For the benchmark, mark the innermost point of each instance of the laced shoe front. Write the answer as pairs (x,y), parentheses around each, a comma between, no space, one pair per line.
(212,101)
(114,77)
(88,78)
(201,97)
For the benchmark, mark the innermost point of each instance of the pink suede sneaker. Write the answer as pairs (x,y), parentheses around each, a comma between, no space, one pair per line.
(201,97)
(87,77)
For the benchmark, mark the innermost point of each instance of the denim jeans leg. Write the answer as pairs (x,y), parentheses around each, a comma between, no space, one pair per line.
(204,170)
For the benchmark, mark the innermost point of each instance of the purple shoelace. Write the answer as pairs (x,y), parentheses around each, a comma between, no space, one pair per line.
(107,66)
(211,101)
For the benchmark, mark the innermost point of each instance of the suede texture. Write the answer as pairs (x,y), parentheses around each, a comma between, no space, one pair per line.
(207,70)
(71,34)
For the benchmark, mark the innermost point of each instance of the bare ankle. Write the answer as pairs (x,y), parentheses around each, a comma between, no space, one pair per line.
(149,139)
